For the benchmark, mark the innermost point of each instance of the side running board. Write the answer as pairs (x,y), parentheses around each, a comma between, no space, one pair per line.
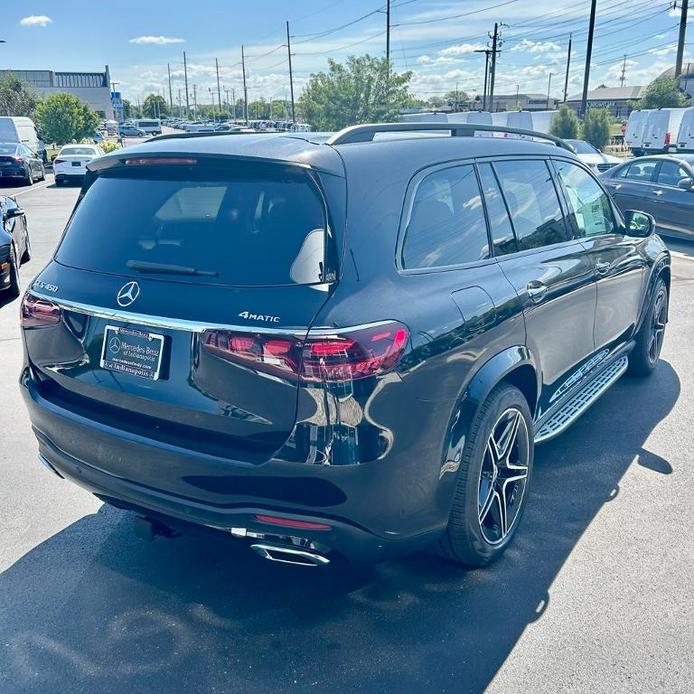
(580,402)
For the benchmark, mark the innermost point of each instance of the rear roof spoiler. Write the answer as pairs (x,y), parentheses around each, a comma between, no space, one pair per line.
(366,133)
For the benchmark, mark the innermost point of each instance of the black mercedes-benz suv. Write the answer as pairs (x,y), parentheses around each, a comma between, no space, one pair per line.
(335,345)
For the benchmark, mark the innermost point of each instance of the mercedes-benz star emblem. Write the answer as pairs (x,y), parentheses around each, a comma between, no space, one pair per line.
(128,293)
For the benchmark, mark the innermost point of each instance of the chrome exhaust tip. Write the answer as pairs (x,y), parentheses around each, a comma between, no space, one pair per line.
(289,555)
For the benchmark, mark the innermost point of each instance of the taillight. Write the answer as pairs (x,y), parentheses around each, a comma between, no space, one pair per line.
(162,161)
(351,355)
(59,161)
(342,355)
(19,160)
(667,138)
(37,313)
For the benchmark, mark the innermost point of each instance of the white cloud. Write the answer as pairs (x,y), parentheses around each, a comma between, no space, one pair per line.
(36,20)
(528,46)
(461,49)
(156,40)
(664,51)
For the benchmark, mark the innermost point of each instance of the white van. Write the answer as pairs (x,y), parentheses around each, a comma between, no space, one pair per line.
(21,129)
(152,126)
(685,137)
(636,125)
(662,128)
(542,120)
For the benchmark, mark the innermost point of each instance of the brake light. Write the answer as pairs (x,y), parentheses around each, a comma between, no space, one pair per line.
(58,161)
(162,161)
(19,160)
(37,313)
(342,355)
(667,138)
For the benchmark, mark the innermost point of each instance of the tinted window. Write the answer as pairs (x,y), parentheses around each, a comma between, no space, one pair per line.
(590,208)
(8,133)
(641,170)
(499,223)
(532,200)
(8,148)
(78,150)
(671,173)
(250,230)
(446,225)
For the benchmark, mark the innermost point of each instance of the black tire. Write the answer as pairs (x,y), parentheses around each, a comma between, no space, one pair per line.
(15,287)
(470,538)
(649,340)
(28,179)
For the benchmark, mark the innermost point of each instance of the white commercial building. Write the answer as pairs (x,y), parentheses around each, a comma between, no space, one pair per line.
(94,88)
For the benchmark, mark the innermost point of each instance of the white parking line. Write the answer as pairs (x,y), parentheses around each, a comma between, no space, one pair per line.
(32,189)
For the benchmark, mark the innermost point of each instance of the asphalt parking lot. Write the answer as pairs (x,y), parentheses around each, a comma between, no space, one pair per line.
(594,595)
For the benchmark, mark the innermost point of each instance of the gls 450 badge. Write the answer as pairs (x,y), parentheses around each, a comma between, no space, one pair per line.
(259,316)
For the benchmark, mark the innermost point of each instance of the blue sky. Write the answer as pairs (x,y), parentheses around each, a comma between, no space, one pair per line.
(436,39)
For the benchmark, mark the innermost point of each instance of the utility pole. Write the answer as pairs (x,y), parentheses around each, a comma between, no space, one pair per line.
(168,68)
(388,33)
(233,99)
(568,64)
(549,86)
(211,91)
(185,76)
(219,91)
(195,102)
(680,43)
(589,54)
(291,76)
(180,107)
(496,48)
(245,90)
(486,52)
(623,76)
(518,97)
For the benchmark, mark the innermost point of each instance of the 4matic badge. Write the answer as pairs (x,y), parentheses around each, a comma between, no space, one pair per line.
(259,316)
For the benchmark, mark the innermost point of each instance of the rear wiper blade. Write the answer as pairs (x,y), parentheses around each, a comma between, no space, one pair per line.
(166,269)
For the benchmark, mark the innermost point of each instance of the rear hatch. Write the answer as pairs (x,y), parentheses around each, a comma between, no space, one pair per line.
(182,284)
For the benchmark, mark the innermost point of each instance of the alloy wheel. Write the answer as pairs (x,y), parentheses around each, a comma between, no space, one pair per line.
(504,476)
(658,320)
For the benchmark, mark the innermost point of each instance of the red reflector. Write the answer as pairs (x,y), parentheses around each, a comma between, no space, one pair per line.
(667,138)
(161,161)
(289,523)
(37,313)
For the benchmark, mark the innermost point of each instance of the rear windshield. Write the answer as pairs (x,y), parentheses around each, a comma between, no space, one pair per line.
(8,148)
(8,132)
(78,150)
(200,226)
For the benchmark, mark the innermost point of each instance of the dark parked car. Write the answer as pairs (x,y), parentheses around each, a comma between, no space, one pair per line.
(18,162)
(335,347)
(131,131)
(15,248)
(662,185)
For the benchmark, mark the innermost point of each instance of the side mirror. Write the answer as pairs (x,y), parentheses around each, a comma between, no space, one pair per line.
(14,212)
(686,183)
(640,224)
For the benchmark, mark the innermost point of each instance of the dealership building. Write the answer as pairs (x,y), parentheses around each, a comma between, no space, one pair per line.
(94,88)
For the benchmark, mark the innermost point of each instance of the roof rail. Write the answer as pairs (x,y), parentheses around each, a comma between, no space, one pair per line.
(177,136)
(366,133)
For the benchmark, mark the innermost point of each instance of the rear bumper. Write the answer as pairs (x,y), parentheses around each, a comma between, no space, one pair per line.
(366,506)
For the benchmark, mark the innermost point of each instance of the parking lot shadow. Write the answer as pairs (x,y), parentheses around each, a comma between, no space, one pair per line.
(95,609)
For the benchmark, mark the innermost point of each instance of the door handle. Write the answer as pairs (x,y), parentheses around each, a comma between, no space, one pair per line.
(658,192)
(602,268)
(616,186)
(536,290)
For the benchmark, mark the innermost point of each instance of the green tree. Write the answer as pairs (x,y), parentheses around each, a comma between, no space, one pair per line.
(155,106)
(565,124)
(17,98)
(362,90)
(64,118)
(436,102)
(596,127)
(663,92)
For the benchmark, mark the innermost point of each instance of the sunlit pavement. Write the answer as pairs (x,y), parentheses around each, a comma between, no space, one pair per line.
(594,596)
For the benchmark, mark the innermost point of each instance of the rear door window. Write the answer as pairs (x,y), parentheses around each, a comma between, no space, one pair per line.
(446,224)
(533,203)
(257,229)
(641,171)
